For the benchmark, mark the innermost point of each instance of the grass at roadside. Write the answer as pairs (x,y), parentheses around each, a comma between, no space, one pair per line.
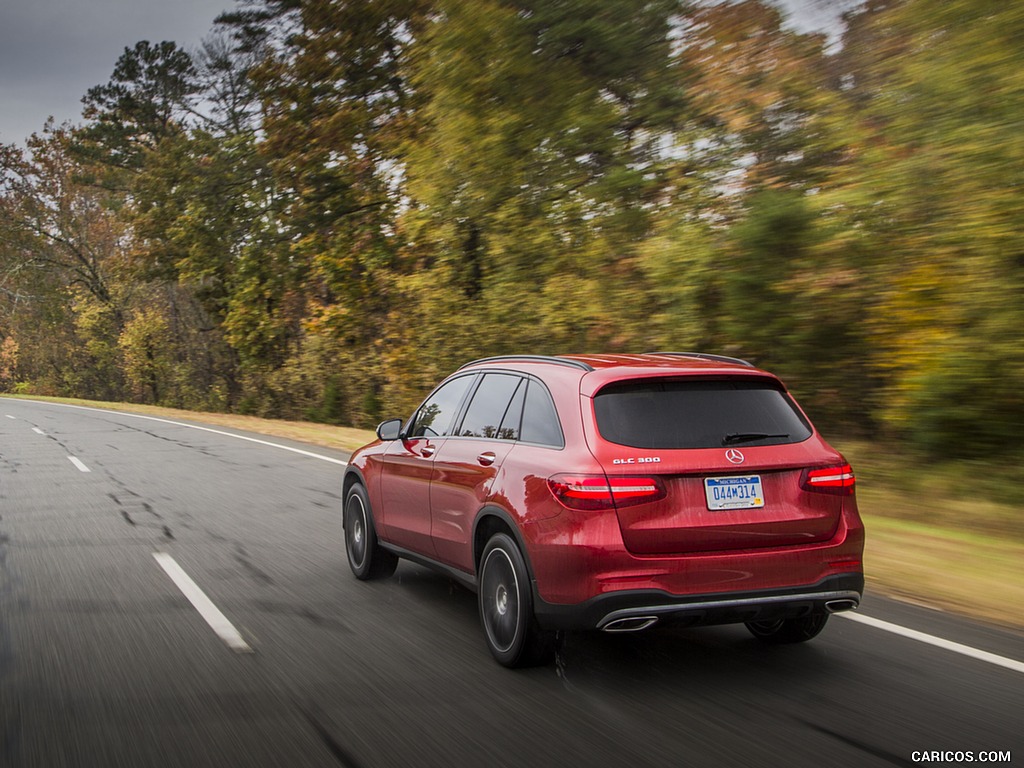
(957,496)
(936,541)
(939,548)
(972,574)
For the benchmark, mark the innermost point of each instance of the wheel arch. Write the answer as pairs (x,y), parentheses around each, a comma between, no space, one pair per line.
(492,520)
(353,475)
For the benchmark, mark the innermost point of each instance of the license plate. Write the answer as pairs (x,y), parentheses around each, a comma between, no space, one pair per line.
(734,492)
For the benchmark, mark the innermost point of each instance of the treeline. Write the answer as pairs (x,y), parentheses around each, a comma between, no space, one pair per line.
(333,203)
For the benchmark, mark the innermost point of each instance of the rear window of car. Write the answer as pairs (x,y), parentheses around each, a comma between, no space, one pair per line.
(540,421)
(670,414)
(522,406)
(488,410)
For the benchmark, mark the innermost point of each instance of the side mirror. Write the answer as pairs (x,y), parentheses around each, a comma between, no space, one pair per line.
(390,429)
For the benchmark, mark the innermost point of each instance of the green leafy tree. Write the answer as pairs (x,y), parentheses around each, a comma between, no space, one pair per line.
(61,254)
(148,96)
(536,168)
(336,108)
(762,92)
(205,211)
(933,187)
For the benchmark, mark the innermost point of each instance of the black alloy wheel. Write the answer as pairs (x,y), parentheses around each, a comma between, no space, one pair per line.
(367,559)
(506,607)
(782,631)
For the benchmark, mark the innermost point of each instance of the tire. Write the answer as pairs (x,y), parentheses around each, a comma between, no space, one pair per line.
(783,631)
(506,607)
(367,559)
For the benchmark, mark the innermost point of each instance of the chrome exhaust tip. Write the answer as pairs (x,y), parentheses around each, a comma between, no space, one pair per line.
(836,606)
(630,624)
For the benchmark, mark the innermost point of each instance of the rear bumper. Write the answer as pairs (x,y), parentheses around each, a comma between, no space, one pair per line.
(579,560)
(630,610)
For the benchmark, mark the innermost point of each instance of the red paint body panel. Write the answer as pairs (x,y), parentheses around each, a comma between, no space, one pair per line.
(460,486)
(580,556)
(402,503)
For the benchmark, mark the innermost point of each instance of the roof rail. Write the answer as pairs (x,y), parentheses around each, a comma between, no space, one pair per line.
(531,358)
(706,356)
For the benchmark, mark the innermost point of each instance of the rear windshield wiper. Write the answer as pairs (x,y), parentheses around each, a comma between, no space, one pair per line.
(748,437)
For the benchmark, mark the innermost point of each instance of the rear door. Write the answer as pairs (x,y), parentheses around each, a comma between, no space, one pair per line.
(727,456)
(467,463)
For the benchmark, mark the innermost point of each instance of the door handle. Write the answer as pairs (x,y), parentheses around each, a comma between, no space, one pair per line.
(486,458)
(427,451)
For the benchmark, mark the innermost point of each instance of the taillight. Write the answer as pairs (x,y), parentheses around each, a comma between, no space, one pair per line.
(838,480)
(601,492)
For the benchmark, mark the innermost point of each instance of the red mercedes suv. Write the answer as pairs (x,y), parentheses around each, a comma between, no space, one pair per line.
(613,492)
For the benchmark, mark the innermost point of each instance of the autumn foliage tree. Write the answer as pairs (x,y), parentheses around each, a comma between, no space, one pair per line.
(334,202)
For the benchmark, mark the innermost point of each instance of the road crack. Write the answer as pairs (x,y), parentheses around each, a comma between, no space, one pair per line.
(856,743)
(337,750)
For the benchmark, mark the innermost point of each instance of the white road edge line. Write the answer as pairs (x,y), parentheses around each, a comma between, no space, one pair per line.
(38,431)
(938,642)
(79,463)
(210,612)
(194,426)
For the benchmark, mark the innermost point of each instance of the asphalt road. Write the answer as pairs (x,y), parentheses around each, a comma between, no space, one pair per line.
(104,660)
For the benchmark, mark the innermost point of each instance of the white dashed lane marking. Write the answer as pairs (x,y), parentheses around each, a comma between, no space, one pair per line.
(79,463)
(211,613)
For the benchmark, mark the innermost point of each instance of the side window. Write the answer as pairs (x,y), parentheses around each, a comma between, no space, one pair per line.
(514,414)
(435,416)
(487,410)
(540,421)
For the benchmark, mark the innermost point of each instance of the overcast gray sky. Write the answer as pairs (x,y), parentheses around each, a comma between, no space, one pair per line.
(53,51)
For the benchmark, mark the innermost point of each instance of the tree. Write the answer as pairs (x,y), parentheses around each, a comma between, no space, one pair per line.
(61,250)
(336,110)
(224,71)
(8,363)
(932,185)
(49,221)
(149,94)
(763,90)
(535,170)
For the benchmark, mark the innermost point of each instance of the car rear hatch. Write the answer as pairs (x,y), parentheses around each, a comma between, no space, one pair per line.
(714,464)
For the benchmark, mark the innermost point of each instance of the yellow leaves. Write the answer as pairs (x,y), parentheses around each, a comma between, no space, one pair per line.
(744,65)
(912,329)
(144,344)
(8,362)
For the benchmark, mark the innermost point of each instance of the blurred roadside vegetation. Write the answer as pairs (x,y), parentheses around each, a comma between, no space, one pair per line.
(333,203)
(944,533)
(959,495)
